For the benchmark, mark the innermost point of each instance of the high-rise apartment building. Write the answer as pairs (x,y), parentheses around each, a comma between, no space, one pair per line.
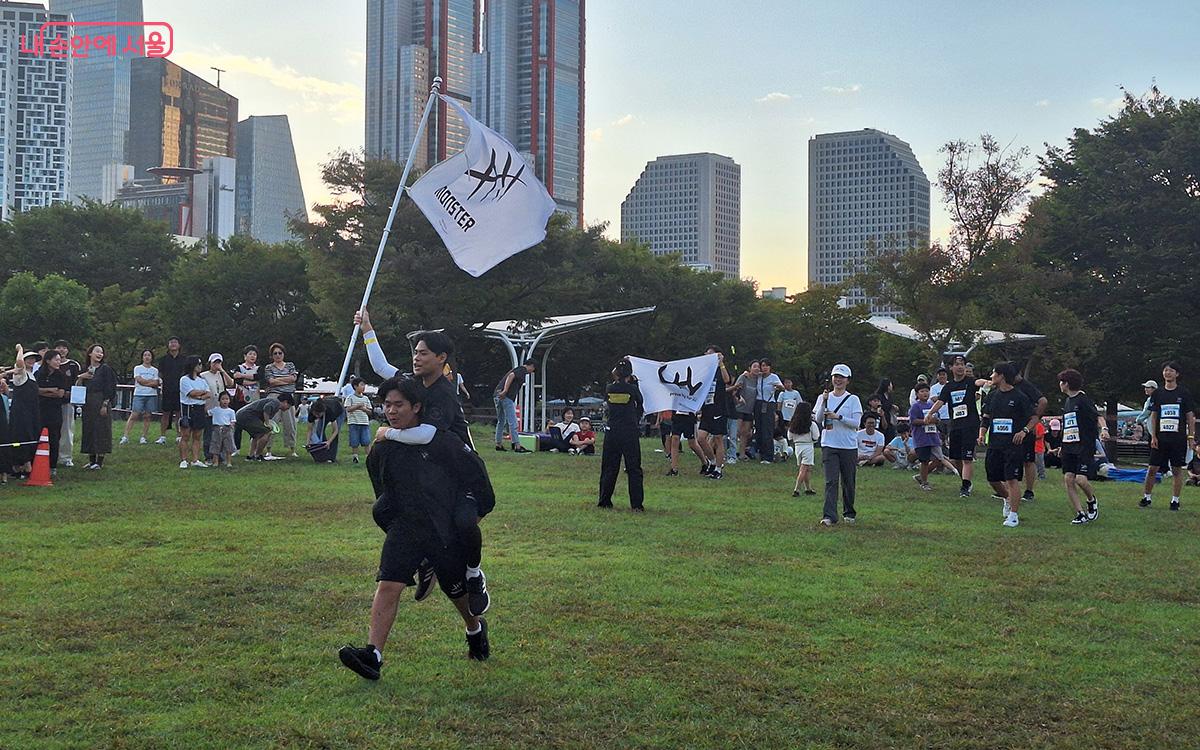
(100,98)
(178,118)
(865,187)
(268,180)
(35,109)
(409,42)
(688,204)
(533,54)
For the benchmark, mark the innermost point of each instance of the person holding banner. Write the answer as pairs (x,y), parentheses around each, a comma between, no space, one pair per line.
(621,442)
(840,412)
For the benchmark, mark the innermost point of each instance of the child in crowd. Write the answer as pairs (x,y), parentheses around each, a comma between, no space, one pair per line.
(220,445)
(358,417)
(803,434)
(900,451)
(584,441)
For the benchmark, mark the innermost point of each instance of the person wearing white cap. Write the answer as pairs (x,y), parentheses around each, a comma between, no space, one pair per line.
(839,413)
(1150,387)
(217,380)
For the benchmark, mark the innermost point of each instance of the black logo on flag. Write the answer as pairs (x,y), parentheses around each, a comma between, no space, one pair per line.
(498,182)
(685,383)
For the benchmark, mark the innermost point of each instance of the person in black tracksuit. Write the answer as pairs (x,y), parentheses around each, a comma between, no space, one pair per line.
(621,441)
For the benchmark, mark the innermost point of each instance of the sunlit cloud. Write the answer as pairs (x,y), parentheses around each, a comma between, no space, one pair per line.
(774,97)
(853,88)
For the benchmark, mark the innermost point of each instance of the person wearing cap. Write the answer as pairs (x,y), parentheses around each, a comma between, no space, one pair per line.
(217,380)
(24,420)
(1150,386)
(839,412)
(912,395)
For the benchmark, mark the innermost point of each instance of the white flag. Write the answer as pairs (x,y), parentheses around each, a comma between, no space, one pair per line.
(485,202)
(678,385)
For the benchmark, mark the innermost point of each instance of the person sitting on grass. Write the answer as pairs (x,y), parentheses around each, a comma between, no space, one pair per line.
(583,442)
(870,444)
(561,432)
(901,452)
(417,489)
(256,418)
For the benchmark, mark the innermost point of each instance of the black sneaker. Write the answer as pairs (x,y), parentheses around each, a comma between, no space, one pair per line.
(795,493)
(1080,518)
(478,600)
(1027,496)
(478,647)
(604,505)
(638,509)
(500,448)
(716,473)
(810,492)
(521,449)
(965,490)
(356,459)
(1144,502)
(425,580)
(361,661)
(1093,509)
(672,473)
(706,469)
(1174,505)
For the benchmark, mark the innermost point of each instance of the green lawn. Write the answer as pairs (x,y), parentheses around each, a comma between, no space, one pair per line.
(147,607)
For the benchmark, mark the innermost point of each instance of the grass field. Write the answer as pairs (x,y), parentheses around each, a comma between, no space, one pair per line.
(147,607)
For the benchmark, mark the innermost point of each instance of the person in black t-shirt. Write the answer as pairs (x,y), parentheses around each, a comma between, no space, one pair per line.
(326,411)
(1172,432)
(1007,421)
(713,422)
(621,440)
(1034,394)
(171,367)
(1082,424)
(52,390)
(959,396)
(506,405)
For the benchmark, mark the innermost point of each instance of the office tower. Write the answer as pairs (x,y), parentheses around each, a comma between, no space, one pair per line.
(177,118)
(193,202)
(268,180)
(864,186)
(35,109)
(533,64)
(688,204)
(100,98)
(409,42)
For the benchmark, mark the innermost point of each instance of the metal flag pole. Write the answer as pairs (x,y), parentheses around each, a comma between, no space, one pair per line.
(387,229)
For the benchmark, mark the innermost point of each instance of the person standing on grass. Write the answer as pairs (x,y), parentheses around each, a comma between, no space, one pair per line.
(1008,420)
(52,389)
(101,383)
(24,413)
(744,389)
(1172,433)
(803,435)
(358,417)
(766,390)
(193,415)
(145,396)
(840,412)
(621,441)
(1082,426)
(683,427)
(281,377)
(714,423)
(171,367)
(1034,394)
(506,406)
(417,490)
(246,379)
(218,381)
(222,419)
(255,418)
(70,369)
(958,396)
(927,434)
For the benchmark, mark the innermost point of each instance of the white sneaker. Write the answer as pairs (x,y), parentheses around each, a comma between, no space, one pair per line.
(1011,520)
(67,462)
(294,455)
(142,441)
(177,439)
(200,465)
(162,440)
(183,464)
(124,440)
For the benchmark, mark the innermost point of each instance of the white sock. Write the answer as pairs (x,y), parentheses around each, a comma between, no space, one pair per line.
(476,630)
(474,572)
(1174,498)
(1147,496)
(378,655)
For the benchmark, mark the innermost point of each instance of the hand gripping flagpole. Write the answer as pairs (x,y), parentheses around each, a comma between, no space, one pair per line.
(387,229)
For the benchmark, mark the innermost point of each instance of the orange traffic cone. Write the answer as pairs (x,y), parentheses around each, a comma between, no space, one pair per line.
(40,477)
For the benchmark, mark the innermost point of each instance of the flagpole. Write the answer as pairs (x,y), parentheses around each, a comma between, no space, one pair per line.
(387,229)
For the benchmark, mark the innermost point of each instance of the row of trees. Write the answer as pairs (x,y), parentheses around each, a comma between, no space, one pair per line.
(1102,262)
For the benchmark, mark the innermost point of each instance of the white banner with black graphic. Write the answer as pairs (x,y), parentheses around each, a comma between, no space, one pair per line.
(485,201)
(678,385)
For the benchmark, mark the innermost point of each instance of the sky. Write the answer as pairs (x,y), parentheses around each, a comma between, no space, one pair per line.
(753,80)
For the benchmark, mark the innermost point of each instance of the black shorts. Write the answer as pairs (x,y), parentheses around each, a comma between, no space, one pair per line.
(712,419)
(962,445)
(925,453)
(253,424)
(1078,464)
(1173,453)
(1005,464)
(193,416)
(170,403)
(684,425)
(408,542)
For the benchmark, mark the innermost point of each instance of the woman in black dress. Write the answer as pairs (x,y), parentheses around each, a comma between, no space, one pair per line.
(24,416)
(101,382)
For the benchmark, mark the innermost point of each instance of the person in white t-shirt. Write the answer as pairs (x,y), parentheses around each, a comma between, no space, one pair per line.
(145,395)
(870,444)
(220,445)
(358,417)
(840,412)
(803,435)
(563,431)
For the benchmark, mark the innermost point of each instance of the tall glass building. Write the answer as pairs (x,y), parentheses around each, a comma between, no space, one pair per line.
(177,118)
(864,186)
(100,98)
(35,110)
(268,180)
(690,205)
(409,42)
(533,54)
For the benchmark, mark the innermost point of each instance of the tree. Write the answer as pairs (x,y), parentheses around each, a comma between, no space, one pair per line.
(47,308)
(1120,223)
(813,333)
(125,323)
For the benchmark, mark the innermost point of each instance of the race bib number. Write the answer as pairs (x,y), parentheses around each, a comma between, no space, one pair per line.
(931,428)
(1002,427)
(960,411)
(712,395)
(789,405)
(1168,418)
(1070,427)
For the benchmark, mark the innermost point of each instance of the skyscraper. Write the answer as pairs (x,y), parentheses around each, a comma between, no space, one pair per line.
(533,54)
(409,42)
(688,204)
(35,109)
(178,118)
(863,186)
(268,180)
(100,99)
